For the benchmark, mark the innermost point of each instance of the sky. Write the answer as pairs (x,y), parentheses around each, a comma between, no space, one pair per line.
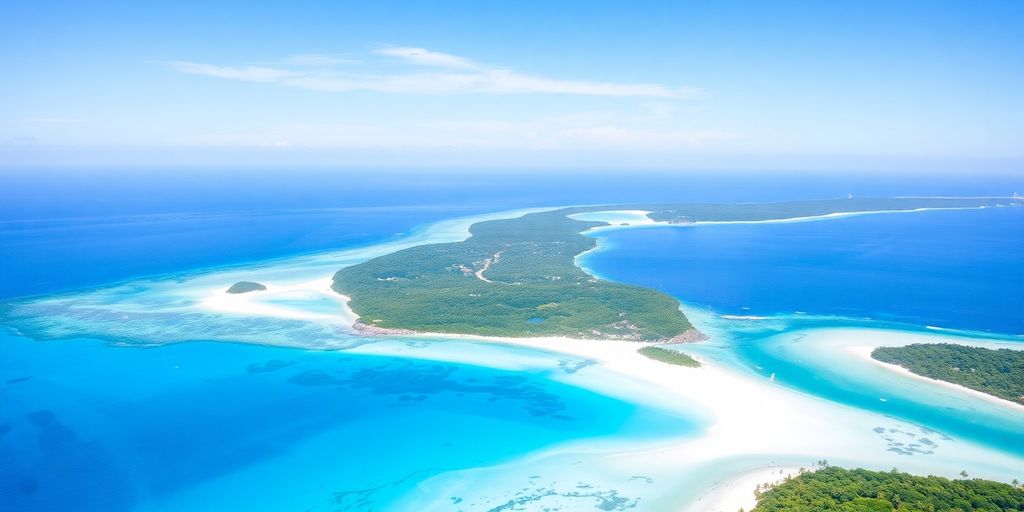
(913,84)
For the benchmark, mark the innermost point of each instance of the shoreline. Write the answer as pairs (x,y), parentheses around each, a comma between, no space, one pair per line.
(748,415)
(770,426)
(827,216)
(789,421)
(738,492)
(864,353)
(627,219)
(691,335)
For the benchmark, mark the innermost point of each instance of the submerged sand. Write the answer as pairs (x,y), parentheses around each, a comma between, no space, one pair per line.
(754,427)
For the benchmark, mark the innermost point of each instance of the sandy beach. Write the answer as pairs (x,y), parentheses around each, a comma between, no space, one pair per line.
(630,219)
(785,430)
(618,219)
(770,427)
(827,216)
(738,492)
(750,426)
(864,353)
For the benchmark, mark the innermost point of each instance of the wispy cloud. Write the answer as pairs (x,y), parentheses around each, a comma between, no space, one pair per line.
(244,73)
(424,57)
(453,75)
(316,59)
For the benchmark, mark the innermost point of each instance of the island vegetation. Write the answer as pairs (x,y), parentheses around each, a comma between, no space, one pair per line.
(512,277)
(246,287)
(669,356)
(999,373)
(518,277)
(861,490)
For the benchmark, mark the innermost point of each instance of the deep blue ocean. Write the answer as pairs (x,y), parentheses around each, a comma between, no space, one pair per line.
(68,229)
(954,269)
(88,426)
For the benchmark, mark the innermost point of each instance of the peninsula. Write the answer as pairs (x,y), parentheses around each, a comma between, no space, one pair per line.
(518,277)
(511,278)
(245,287)
(999,373)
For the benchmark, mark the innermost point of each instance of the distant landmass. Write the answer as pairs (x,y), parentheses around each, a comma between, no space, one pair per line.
(755,212)
(999,373)
(861,490)
(246,287)
(518,277)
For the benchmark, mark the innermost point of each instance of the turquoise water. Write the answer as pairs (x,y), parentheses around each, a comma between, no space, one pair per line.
(204,426)
(890,271)
(89,425)
(802,365)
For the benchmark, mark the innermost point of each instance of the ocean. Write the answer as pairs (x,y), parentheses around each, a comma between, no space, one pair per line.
(953,269)
(86,424)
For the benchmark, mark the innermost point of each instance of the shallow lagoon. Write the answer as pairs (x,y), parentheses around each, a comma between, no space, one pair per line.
(772,292)
(205,425)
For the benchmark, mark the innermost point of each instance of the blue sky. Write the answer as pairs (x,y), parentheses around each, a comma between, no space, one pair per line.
(818,85)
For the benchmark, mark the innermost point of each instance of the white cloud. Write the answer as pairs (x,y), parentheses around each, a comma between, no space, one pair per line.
(245,73)
(315,59)
(454,75)
(424,57)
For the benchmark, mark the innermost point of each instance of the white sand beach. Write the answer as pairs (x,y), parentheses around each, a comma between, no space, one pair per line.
(770,426)
(738,492)
(618,219)
(827,216)
(751,427)
(864,353)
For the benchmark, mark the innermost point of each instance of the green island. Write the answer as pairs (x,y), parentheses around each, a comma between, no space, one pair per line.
(518,277)
(513,277)
(246,287)
(861,490)
(669,356)
(999,373)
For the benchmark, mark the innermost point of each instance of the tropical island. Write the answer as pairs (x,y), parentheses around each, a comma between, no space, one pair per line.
(669,356)
(999,373)
(861,490)
(512,277)
(246,287)
(518,277)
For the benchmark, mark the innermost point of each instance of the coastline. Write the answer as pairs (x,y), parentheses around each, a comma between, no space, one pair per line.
(692,335)
(732,491)
(748,415)
(626,219)
(738,492)
(827,216)
(770,426)
(864,353)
